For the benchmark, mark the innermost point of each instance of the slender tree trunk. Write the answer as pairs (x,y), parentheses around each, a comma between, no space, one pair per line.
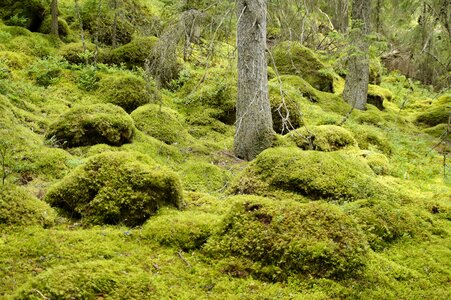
(54,9)
(254,131)
(82,33)
(114,33)
(378,16)
(340,17)
(357,78)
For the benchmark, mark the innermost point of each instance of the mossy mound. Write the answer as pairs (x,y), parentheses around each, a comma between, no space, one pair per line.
(384,222)
(370,116)
(370,138)
(19,208)
(202,176)
(286,113)
(317,175)
(15,60)
(437,113)
(46,26)
(323,138)
(160,122)
(127,90)
(92,124)
(183,230)
(88,280)
(113,188)
(378,162)
(134,53)
(377,95)
(292,58)
(280,239)
(73,52)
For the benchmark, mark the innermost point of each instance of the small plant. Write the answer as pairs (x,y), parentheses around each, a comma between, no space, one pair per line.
(88,79)
(47,71)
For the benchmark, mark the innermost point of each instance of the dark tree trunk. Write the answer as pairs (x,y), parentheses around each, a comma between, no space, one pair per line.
(54,9)
(357,78)
(254,122)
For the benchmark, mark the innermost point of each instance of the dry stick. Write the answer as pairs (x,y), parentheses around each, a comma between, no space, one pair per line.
(96,39)
(82,33)
(180,255)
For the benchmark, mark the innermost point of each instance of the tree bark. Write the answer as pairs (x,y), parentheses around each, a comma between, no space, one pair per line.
(357,78)
(54,9)
(340,18)
(254,131)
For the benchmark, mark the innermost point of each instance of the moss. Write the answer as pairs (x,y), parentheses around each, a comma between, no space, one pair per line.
(438,112)
(114,187)
(292,58)
(377,95)
(34,45)
(15,60)
(73,52)
(284,238)
(316,175)
(46,25)
(370,116)
(90,125)
(370,138)
(203,177)
(186,230)
(19,208)
(323,138)
(384,222)
(134,53)
(438,130)
(378,163)
(161,123)
(375,71)
(126,90)
(88,280)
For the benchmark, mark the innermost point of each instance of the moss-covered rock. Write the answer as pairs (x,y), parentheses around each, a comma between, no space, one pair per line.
(88,280)
(285,238)
(370,116)
(437,113)
(313,174)
(19,208)
(378,163)
(370,138)
(114,187)
(186,230)
(134,53)
(322,138)
(285,110)
(292,58)
(202,176)
(126,90)
(160,122)
(73,52)
(383,221)
(46,25)
(92,124)
(377,95)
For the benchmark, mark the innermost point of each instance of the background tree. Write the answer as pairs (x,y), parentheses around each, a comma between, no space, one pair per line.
(54,9)
(254,131)
(357,78)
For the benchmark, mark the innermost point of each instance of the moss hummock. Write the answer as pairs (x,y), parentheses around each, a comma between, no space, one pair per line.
(292,58)
(274,240)
(19,208)
(438,113)
(90,125)
(323,138)
(133,54)
(114,187)
(335,176)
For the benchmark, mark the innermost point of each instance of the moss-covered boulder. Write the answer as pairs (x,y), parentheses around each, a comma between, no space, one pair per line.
(378,162)
(322,138)
(115,187)
(202,176)
(437,113)
(370,138)
(126,90)
(160,122)
(88,280)
(276,240)
(46,26)
(74,52)
(316,175)
(90,125)
(134,53)
(19,208)
(292,58)
(285,110)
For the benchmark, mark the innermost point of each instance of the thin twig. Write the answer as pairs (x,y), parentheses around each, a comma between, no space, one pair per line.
(180,255)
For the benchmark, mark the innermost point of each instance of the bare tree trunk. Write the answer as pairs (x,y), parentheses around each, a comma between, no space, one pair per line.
(54,9)
(114,33)
(357,78)
(254,131)
(340,17)
(82,33)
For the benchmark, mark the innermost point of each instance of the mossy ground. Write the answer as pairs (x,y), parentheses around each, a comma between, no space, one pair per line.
(378,173)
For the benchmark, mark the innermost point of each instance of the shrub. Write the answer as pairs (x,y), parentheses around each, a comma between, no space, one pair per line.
(92,124)
(134,53)
(384,222)
(160,122)
(323,138)
(186,230)
(113,188)
(88,280)
(47,71)
(316,175)
(286,238)
(19,208)
(294,59)
(128,91)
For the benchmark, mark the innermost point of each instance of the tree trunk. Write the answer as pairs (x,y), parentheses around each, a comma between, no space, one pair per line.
(340,17)
(357,78)
(254,121)
(54,9)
